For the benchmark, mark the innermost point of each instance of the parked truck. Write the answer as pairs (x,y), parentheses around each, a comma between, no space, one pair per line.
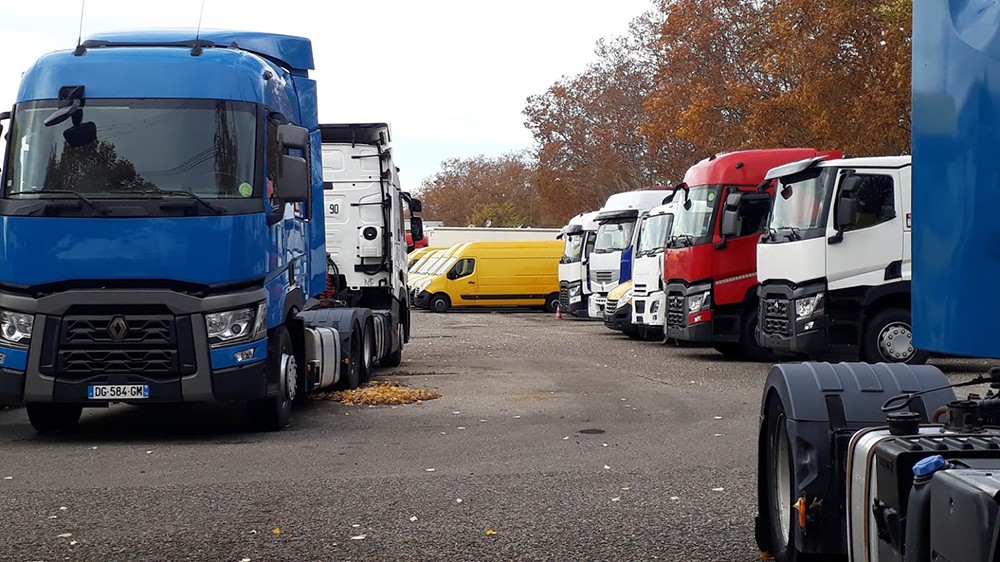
(578,240)
(649,301)
(880,462)
(611,258)
(834,266)
(711,260)
(163,209)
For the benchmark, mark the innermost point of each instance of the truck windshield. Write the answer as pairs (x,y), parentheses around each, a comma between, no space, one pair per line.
(694,226)
(614,236)
(654,233)
(572,248)
(203,147)
(805,207)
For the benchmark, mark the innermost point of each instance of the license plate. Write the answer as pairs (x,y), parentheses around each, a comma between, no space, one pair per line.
(118,391)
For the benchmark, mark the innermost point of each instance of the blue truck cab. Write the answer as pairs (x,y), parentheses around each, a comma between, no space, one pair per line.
(162,224)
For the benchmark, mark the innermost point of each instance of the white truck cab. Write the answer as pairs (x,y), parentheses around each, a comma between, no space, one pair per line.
(649,301)
(834,264)
(611,259)
(578,237)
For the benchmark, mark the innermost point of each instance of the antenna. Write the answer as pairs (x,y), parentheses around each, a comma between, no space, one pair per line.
(197,34)
(80,49)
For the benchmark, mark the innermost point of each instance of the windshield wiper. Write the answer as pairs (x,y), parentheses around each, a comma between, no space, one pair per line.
(90,203)
(793,233)
(182,193)
(686,238)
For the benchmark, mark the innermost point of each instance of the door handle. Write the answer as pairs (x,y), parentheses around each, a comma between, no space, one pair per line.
(472,282)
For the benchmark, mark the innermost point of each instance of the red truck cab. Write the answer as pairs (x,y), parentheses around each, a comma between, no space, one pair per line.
(710,269)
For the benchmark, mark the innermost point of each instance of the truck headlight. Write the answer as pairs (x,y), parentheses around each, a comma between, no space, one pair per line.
(655,307)
(235,326)
(699,302)
(15,328)
(807,306)
(575,289)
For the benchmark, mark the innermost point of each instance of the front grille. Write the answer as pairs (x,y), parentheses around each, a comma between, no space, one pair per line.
(639,290)
(676,320)
(77,363)
(610,307)
(675,311)
(776,327)
(604,276)
(775,314)
(564,297)
(639,305)
(153,346)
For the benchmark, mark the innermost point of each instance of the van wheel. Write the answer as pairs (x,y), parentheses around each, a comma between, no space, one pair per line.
(47,417)
(274,412)
(889,339)
(552,302)
(439,303)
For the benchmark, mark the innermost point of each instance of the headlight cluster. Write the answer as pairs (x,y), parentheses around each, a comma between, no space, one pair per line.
(808,306)
(423,284)
(575,289)
(699,302)
(15,327)
(625,298)
(236,326)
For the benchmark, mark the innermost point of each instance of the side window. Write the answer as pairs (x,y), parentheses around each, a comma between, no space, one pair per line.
(875,201)
(753,215)
(462,268)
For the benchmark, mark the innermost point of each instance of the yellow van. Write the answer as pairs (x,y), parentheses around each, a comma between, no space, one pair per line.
(436,262)
(418,254)
(494,274)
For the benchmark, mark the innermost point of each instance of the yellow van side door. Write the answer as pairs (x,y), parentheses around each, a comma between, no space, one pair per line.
(463,287)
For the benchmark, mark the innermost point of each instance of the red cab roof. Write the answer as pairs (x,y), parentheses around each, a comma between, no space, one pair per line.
(748,167)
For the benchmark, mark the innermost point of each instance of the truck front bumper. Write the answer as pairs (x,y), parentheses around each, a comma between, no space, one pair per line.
(162,343)
(650,310)
(620,319)
(681,323)
(780,329)
(595,305)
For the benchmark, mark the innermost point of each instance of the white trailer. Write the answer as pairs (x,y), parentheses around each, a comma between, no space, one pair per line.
(450,235)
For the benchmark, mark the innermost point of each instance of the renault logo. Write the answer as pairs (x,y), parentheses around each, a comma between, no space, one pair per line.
(118,328)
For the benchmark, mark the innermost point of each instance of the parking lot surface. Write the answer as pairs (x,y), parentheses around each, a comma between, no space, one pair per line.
(553,440)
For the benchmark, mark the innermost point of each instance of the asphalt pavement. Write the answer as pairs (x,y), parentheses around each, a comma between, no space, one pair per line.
(553,440)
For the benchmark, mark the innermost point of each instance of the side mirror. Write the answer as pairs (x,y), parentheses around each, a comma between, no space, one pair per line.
(730,223)
(293,179)
(292,137)
(416,228)
(81,134)
(847,213)
(416,206)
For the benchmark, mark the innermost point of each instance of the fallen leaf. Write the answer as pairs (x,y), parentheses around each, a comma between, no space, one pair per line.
(149,452)
(65,535)
(458,500)
(490,532)
(63,508)
(375,393)
(444,433)
(275,531)
(456,413)
(73,543)
(428,470)
(623,399)
(718,417)
(93,448)
(413,518)
(355,526)
(674,498)
(53,516)
(566,438)
(244,560)
(718,435)
(253,531)
(625,489)
(460,428)
(616,499)
(359,537)
(517,417)
(8,477)
(482,420)
(606,467)
(718,489)
(604,444)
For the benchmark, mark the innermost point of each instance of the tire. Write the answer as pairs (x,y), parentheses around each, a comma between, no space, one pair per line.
(395,359)
(888,338)
(52,417)
(274,413)
(780,485)
(405,316)
(352,378)
(367,354)
(552,303)
(748,341)
(439,303)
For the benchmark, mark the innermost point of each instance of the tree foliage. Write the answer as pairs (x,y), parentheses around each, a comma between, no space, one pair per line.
(696,77)
(476,191)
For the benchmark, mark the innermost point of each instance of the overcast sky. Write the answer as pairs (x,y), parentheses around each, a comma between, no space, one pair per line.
(450,76)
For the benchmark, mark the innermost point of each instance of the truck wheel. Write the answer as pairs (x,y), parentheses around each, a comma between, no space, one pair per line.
(405,316)
(395,359)
(439,303)
(352,378)
(48,417)
(552,302)
(889,339)
(274,412)
(368,354)
(780,484)
(748,341)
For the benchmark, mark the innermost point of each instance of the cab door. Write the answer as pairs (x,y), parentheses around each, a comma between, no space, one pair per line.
(871,238)
(463,284)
